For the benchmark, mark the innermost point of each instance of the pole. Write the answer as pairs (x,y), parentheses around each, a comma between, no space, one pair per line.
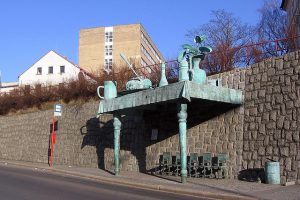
(182,116)
(52,142)
(117,127)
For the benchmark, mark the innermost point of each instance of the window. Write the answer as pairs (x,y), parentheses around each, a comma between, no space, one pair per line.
(108,50)
(108,37)
(145,40)
(108,65)
(39,71)
(143,63)
(145,52)
(50,70)
(62,69)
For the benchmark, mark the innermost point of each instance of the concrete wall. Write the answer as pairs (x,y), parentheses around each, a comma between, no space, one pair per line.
(265,126)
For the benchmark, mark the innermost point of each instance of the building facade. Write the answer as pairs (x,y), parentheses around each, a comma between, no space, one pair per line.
(8,87)
(100,48)
(292,7)
(51,69)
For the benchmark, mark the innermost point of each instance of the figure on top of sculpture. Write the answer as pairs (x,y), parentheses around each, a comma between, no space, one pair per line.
(189,59)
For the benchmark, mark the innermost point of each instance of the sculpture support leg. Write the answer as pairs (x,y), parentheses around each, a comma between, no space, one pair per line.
(117,128)
(182,115)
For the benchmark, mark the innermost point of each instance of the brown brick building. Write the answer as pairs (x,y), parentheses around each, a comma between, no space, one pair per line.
(100,48)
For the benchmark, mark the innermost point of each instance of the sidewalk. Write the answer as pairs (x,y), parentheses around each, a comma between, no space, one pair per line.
(210,188)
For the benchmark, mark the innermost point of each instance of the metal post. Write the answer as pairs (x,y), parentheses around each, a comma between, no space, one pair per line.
(117,128)
(182,115)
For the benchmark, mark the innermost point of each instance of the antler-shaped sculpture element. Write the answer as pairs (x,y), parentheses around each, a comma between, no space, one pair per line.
(189,59)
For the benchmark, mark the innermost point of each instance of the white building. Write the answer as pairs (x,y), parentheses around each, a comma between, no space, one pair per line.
(7,87)
(51,69)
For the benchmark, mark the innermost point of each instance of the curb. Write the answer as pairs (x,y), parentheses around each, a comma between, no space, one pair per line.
(162,188)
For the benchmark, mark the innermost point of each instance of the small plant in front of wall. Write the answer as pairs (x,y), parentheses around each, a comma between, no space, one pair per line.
(189,59)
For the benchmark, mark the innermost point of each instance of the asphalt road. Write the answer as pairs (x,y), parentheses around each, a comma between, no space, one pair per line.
(17,183)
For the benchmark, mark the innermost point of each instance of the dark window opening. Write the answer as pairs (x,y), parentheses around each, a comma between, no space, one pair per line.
(39,71)
(62,69)
(50,70)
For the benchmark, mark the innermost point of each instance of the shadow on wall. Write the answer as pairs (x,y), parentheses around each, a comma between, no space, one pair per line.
(252,175)
(136,132)
(101,135)
(164,118)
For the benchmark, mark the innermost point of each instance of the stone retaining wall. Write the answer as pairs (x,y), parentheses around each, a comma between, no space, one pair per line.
(272,115)
(265,126)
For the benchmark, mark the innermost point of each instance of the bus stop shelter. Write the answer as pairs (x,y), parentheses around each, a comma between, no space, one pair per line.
(182,93)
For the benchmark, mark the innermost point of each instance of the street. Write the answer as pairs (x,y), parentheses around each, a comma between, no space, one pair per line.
(23,183)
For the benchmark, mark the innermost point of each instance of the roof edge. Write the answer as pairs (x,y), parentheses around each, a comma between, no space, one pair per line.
(44,56)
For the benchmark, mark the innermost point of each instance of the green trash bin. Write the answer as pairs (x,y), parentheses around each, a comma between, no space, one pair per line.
(272,171)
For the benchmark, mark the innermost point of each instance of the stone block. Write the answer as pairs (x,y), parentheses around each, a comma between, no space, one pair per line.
(273,115)
(268,107)
(291,176)
(293,125)
(279,64)
(288,136)
(261,151)
(269,150)
(264,77)
(289,104)
(266,140)
(276,89)
(292,56)
(283,180)
(253,112)
(254,155)
(288,164)
(278,98)
(252,145)
(286,89)
(286,125)
(262,128)
(271,72)
(275,151)
(298,165)
(252,126)
(287,80)
(280,121)
(257,164)
(281,142)
(219,148)
(271,125)
(254,95)
(250,164)
(296,136)
(293,149)
(284,151)
(245,155)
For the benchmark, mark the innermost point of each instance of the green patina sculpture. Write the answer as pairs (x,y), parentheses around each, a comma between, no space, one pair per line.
(138,82)
(163,79)
(189,59)
(117,129)
(182,116)
(190,87)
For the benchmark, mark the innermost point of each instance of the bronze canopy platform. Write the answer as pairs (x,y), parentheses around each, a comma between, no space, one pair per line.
(182,94)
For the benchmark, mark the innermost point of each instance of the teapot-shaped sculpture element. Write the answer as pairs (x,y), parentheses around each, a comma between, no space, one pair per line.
(189,59)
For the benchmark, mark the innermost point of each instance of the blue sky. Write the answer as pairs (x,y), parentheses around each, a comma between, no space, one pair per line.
(31,28)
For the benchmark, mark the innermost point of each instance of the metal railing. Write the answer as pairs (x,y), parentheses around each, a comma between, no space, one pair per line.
(215,62)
